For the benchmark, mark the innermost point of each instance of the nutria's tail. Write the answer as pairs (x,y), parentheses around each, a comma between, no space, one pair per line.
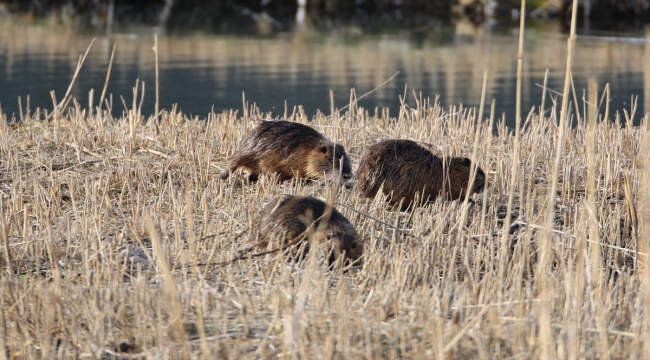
(225,174)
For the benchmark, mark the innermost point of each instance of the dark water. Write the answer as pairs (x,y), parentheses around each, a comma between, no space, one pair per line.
(200,72)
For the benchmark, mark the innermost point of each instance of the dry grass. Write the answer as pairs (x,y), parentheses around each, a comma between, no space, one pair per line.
(75,198)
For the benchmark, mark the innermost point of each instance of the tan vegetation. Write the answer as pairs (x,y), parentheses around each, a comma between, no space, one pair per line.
(82,190)
(120,241)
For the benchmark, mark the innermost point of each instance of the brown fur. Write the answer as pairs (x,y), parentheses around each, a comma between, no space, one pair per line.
(285,220)
(406,168)
(291,150)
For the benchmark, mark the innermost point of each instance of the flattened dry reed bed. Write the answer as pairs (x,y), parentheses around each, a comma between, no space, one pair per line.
(79,191)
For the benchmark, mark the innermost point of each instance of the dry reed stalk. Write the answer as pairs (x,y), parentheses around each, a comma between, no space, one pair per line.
(133,116)
(544,89)
(3,123)
(575,294)
(644,243)
(576,104)
(4,234)
(20,108)
(608,99)
(514,171)
(3,352)
(108,77)
(541,280)
(332,109)
(139,113)
(176,312)
(66,98)
(644,200)
(486,186)
(477,131)
(155,50)
(205,350)
(646,71)
(91,95)
(591,175)
(591,222)
(596,258)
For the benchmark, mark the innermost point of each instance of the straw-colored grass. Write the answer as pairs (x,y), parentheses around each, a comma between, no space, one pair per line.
(74,199)
(120,241)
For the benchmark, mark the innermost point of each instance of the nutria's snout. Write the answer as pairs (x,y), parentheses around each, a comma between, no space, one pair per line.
(344,179)
(342,162)
(348,246)
(479,181)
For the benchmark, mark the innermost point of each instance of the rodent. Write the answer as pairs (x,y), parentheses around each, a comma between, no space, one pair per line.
(284,221)
(289,149)
(406,168)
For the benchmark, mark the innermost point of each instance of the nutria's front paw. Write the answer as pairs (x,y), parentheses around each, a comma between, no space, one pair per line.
(225,174)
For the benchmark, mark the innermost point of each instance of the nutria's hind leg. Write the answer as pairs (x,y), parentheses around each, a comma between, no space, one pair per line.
(248,162)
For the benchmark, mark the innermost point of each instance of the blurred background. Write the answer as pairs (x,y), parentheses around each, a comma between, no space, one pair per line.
(288,53)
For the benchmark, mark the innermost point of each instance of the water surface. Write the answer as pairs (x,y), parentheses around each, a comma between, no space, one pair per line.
(200,72)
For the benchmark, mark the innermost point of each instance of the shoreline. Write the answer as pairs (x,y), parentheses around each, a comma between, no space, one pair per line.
(322,14)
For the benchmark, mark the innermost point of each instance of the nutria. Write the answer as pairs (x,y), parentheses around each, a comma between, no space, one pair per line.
(405,168)
(291,150)
(285,220)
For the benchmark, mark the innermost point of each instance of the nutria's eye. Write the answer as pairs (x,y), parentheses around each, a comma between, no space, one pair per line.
(353,245)
(323,149)
(466,162)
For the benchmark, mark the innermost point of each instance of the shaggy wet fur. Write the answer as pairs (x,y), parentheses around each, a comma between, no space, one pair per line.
(405,168)
(291,150)
(285,220)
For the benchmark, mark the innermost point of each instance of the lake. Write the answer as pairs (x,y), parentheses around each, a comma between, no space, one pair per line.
(201,72)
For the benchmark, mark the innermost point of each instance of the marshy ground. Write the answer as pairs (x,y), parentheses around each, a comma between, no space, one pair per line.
(81,191)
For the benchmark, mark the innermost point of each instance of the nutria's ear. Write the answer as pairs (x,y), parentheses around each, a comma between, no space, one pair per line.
(323,149)
(467,162)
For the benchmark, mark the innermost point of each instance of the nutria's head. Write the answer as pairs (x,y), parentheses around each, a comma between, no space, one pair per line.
(345,240)
(458,173)
(332,160)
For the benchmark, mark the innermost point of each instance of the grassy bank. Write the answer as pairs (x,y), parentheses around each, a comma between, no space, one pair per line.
(78,191)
